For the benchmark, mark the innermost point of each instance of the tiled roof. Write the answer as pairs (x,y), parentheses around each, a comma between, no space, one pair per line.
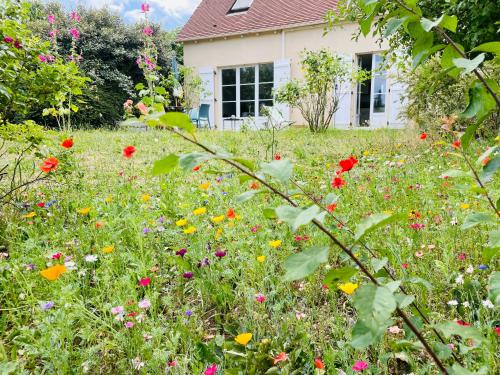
(211,18)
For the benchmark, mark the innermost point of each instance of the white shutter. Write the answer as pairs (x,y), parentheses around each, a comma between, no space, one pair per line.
(343,117)
(208,93)
(395,99)
(282,72)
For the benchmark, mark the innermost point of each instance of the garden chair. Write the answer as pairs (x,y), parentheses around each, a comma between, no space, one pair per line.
(201,115)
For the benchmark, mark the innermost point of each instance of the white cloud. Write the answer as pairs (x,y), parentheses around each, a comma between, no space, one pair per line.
(175,8)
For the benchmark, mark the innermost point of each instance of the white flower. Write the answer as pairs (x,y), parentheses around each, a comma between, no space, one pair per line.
(140,318)
(453,302)
(70,266)
(91,258)
(394,330)
(466,304)
(137,363)
(144,304)
(459,279)
(487,303)
(470,269)
(454,221)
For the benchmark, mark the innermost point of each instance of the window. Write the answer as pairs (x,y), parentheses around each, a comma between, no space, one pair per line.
(379,85)
(240,6)
(246,90)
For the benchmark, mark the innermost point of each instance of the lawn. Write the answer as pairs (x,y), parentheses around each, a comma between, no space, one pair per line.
(163,273)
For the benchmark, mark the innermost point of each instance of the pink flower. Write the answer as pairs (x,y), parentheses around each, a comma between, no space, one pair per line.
(212,369)
(117,310)
(360,366)
(260,298)
(74,32)
(53,33)
(148,31)
(144,304)
(75,16)
(145,281)
(8,39)
(417,226)
(145,8)
(51,18)
(129,325)
(42,58)
(142,108)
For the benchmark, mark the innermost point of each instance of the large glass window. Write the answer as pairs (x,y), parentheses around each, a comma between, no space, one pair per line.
(379,84)
(246,90)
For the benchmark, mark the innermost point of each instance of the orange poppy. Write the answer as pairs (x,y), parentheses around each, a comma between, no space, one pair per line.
(49,165)
(53,273)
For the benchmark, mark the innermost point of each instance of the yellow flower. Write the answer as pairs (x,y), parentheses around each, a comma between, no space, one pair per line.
(497,138)
(218,233)
(261,258)
(348,288)
(218,219)
(109,199)
(243,338)
(83,211)
(181,222)
(366,153)
(388,212)
(200,211)
(53,273)
(265,341)
(464,206)
(190,230)
(275,244)
(205,186)
(108,249)
(328,165)
(146,198)
(30,215)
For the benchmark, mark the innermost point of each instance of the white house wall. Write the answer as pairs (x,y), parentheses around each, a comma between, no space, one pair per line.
(269,47)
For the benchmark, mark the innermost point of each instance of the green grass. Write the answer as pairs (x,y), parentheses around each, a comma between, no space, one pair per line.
(397,172)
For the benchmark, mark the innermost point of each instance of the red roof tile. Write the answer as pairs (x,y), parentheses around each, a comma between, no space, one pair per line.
(211,18)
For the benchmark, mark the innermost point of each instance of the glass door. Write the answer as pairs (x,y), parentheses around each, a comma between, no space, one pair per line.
(378,107)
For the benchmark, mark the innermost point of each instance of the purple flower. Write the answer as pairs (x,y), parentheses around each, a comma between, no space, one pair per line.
(188,275)
(203,263)
(8,39)
(220,254)
(189,313)
(17,44)
(75,16)
(146,230)
(161,220)
(30,267)
(181,252)
(483,267)
(42,58)
(47,305)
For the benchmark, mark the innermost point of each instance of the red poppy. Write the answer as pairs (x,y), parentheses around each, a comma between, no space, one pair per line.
(457,143)
(280,357)
(332,207)
(338,182)
(462,323)
(277,157)
(41,205)
(497,330)
(423,136)
(196,168)
(67,143)
(405,266)
(486,160)
(348,164)
(318,363)
(230,213)
(145,281)
(254,186)
(129,151)
(49,165)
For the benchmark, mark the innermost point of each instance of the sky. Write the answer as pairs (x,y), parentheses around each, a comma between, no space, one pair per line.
(169,13)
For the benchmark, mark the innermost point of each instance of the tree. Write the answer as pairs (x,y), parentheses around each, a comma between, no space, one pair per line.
(110,49)
(317,95)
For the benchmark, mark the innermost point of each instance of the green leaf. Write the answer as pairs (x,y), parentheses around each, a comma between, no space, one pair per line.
(480,102)
(189,161)
(165,165)
(492,167)
(139,86)
(269,213)
(7,368)
(494,239)
(378,264)
(494,288)
(247,196)
(478,218)
(469,65)
(449,23)
(428,25)
(393,25)
(374,222)
(366,333)
(447,57)
(343,274)
(403,300)
(303,264)
(246,163)
(374,302)
(455,173)
(456,369)
(279,169)
(296,216)
(160,90)
(492,47)
(179,120)
(419,280)
(466,332)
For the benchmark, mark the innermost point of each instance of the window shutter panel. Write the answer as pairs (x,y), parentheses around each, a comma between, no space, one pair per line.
(207,95)
(343,117)
(395,99)
(282,73)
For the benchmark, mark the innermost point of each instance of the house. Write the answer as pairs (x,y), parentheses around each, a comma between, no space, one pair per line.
(243,49)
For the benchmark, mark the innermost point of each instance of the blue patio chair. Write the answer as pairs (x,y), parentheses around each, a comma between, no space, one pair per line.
(201,115)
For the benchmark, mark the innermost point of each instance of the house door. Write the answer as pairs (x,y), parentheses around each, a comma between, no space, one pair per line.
(371,109)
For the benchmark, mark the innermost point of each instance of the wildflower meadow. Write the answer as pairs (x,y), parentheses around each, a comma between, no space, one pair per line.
(168,249)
